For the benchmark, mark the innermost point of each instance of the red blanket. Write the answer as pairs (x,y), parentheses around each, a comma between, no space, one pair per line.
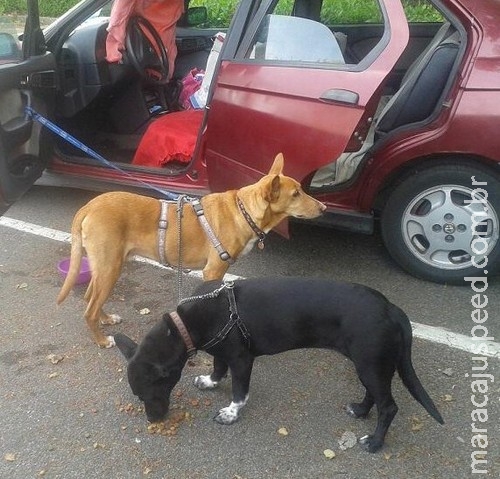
(170,137)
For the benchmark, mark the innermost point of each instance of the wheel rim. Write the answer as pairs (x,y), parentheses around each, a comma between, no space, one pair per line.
(450,227)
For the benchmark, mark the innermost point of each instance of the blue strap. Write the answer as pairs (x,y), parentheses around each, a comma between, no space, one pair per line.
(71,139)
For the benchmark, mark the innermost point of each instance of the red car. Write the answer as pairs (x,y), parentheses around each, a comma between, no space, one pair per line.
(382,119)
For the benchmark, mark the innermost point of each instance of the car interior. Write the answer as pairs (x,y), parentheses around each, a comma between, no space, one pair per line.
(110,106)
(422,89)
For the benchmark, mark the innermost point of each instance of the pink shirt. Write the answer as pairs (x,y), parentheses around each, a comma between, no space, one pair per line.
(162,14)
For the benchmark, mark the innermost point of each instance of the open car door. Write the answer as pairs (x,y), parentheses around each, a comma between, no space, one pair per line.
(290,83)
(27,78)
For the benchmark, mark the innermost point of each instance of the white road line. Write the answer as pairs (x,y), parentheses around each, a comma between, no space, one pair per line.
(455,340)
(35,229)
(423,331)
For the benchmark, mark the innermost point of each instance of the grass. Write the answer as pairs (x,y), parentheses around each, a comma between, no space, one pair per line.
(341,12)
(221,11)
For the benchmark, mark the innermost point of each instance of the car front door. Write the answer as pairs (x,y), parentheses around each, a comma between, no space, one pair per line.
(289,82)
(27,79)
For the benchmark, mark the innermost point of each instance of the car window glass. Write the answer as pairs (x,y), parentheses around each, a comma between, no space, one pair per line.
(309,32)
(10,47)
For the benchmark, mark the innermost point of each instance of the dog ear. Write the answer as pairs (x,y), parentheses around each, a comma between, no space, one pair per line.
(273,188)
(126,345)
(277,166)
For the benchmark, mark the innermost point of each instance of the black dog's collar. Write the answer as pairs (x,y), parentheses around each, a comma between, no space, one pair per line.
(176,319)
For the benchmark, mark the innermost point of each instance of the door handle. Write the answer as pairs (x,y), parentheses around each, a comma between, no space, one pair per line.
(338,95)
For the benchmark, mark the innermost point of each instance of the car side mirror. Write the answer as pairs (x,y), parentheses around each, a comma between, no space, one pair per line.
(9,47)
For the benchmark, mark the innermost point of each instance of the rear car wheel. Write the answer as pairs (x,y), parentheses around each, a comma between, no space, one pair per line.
(442,223)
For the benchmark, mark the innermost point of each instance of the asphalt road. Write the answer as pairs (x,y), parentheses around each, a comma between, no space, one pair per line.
(66,410)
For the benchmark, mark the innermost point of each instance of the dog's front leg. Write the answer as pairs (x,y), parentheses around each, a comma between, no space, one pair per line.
(215,267)
(211,381)
(240,376)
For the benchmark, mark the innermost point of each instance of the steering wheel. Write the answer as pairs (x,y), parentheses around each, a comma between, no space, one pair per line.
(146,52)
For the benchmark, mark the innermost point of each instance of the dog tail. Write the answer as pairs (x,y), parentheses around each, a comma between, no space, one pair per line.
(408,374)
(76,257)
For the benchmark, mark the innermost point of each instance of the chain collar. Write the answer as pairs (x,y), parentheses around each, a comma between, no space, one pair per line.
(211,295)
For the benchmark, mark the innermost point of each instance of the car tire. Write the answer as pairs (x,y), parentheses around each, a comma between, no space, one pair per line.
(440,224)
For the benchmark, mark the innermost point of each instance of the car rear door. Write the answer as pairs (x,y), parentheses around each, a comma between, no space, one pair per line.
(296,97)
(27,78)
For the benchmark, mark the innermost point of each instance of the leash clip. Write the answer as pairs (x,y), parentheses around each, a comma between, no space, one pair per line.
(198,209)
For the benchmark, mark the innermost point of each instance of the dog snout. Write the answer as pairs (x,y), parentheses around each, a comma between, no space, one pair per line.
(319,209)
(156,411)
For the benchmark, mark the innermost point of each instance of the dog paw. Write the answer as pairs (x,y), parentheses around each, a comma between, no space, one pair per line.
(226,416)
(349,410)
(112,319)
(355,410)
(205,382)
(370,444)
(110,342)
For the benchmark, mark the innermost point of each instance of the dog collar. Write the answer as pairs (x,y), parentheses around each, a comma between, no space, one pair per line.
(176,319)
(260,234)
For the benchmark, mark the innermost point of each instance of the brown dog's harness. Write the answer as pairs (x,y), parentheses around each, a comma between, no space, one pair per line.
(198,209)
(234,320)
(223,254)
(162,229)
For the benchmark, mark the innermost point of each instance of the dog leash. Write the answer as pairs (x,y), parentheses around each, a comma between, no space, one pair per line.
(180,203)
(211,295)
(89,151)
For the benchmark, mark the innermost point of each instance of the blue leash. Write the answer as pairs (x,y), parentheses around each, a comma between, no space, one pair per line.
(72,140)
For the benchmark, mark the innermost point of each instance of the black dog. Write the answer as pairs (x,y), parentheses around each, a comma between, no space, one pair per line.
(267,316)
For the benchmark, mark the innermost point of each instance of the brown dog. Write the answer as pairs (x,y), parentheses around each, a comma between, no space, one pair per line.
(113,226)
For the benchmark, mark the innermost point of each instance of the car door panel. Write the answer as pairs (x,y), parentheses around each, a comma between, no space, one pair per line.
(28,83)
(27,78)
(263,117)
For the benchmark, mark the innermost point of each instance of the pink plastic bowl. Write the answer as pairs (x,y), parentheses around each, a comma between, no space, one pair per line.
(83,276)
